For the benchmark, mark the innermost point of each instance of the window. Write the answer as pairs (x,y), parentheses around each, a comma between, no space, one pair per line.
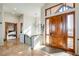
(70,24)
(64,8)
(59,8)
(70,31)
(47,27)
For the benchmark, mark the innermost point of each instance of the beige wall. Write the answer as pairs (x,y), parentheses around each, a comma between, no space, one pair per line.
(29,22)
(1,25)
(20,20)
(77,28)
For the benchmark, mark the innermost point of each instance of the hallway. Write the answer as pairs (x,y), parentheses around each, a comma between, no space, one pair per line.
(48,24)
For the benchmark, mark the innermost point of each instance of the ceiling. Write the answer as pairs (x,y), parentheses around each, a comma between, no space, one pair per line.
(21,8)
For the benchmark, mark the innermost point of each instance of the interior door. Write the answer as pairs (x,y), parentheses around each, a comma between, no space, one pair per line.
(57,32)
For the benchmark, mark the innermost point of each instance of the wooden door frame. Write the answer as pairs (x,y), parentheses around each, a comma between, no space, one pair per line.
(6,27)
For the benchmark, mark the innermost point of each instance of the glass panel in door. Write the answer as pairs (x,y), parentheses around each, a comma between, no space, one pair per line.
(70,24)
(47,31)
(70,31)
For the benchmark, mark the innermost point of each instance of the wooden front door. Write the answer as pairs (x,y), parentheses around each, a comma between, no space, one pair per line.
(60,31)
(57,32)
